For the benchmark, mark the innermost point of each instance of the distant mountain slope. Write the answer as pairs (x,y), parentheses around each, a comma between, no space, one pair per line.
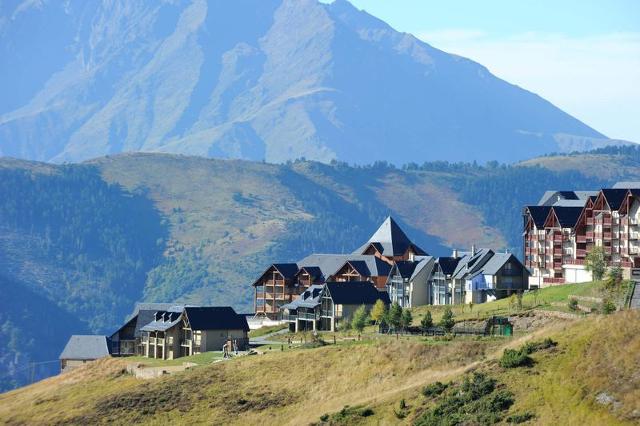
(255,79)
(91,239)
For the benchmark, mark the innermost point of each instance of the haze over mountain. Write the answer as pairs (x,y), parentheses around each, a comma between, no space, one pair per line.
(255,79)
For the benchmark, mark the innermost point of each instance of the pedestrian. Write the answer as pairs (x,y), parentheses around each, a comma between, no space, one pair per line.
(235,346)
(224,350)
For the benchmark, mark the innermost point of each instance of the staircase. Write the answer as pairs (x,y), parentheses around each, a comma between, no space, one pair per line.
(634,303)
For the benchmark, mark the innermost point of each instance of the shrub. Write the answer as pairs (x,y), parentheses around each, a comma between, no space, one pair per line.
(512,358)
(366,412)
(324,417)
(520,417)
(608,307)
(573,304)
(434,389)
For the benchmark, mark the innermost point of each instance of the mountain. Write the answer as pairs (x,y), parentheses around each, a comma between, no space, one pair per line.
(270,80)
(81,243)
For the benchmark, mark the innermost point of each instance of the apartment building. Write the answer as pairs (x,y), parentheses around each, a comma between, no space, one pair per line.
(564,227)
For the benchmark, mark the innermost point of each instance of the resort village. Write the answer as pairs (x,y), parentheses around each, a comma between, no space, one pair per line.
(321,291)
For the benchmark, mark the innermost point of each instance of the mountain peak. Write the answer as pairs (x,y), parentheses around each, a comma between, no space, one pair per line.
(291,79)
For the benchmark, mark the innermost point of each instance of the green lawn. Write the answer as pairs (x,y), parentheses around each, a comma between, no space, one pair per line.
(200,359)
(551,298)
(266,330)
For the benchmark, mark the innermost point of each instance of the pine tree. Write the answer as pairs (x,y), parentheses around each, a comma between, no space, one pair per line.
(427,322)
(395,315)
(359,320)
(406,318)
(447,322)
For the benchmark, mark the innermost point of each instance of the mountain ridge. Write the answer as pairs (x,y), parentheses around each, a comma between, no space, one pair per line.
(272,80)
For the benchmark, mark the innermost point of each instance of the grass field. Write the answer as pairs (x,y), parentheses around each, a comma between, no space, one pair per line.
(595,354)
(200,359)
(551,298)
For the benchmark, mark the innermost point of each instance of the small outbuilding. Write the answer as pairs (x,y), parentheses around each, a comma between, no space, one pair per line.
(81,349)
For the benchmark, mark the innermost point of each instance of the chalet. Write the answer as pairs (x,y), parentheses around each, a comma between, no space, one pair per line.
(483,275)
(190,330)
(127,340)
(322,307)
(441,283)
(408,281)
(81,349)
(281,283)
(390,243)
(565,226)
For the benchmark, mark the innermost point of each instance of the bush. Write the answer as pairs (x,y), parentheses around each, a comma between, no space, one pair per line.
(573,304)
(512,358)
(366,412)
(520,417)
(477,400)
(608,307)
(434,389)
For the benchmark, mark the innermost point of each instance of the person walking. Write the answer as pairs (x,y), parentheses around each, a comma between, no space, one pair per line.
(235,346)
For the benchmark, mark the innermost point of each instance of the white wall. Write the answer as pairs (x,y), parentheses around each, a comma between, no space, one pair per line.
(576,274)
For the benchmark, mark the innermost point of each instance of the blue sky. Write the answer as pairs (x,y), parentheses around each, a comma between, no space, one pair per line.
(584,56)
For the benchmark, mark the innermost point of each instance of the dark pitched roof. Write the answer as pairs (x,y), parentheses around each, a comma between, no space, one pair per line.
(614,197)
(567,216)
(448,264)
(144,313)
(355,293)
(390,240)
(85,347)
(329,264)
(539,214)
(406,268)
(361,267)
(215,318)
(314,271)
(288,270)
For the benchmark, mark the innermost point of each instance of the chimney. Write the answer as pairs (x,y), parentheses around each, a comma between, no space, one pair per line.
(455,253)
(473,249)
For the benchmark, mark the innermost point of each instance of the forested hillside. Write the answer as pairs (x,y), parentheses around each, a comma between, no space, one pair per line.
(89,240)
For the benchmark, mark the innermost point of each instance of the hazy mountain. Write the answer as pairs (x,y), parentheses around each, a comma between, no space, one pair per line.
(254,79)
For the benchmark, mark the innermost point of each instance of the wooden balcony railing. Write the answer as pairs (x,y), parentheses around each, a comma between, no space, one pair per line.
(553,280)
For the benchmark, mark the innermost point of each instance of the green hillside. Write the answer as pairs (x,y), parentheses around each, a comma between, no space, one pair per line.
(579,371)
(93,238)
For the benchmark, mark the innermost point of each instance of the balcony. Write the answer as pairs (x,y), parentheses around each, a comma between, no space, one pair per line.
(606,221)
(308,316)
(581,253)
(553,280)
(633,221)
(581,238)
(557,238)
(589,221)
(589,235)
(557,265)
(634,236)
(607,235)
(557,252)
(575,262)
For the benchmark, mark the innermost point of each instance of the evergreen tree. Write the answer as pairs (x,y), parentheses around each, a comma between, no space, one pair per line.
(406,318)
(427,322)
(395,315)
(447,322)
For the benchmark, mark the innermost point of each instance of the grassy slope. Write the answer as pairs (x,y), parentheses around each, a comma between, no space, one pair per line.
(612,167)
(551,298)
(594,354)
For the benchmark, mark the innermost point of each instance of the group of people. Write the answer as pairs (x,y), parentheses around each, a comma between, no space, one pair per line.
(230,346)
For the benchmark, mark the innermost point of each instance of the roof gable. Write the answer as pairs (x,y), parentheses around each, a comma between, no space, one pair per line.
(85,347)
(390,240)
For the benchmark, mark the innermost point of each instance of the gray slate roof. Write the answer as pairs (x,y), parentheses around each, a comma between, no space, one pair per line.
(310,298)
(85,347)
(565,198)
(330,263)
(391,238)
(471,263)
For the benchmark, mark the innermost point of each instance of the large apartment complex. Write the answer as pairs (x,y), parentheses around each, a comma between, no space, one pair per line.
(564,226)
(392,264)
